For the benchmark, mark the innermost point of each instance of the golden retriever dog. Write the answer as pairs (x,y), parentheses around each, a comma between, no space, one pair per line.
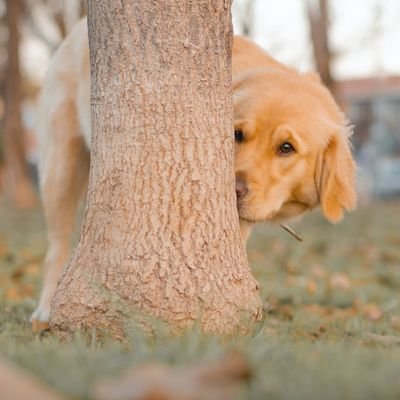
(292,150)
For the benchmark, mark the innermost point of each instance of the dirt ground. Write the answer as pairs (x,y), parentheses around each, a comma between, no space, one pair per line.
(332,329)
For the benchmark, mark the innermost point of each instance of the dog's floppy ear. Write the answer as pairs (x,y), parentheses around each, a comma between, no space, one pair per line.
(337,178)
(240,86)
(246,82)
(247,87)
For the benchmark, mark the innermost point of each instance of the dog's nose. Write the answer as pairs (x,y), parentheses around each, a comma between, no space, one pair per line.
(241,187)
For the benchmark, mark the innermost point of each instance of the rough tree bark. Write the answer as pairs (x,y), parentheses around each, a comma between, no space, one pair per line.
(161,233)
(15,181)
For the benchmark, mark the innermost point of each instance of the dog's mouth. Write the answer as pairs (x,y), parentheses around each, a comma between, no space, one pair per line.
(262,212)
(272,218)
(250,214)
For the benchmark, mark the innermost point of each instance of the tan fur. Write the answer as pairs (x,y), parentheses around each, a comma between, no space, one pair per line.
(272,104)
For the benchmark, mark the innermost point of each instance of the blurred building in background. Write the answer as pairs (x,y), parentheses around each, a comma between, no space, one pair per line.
(373,105)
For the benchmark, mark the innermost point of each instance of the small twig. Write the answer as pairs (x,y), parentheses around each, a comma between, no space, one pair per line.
(287,228)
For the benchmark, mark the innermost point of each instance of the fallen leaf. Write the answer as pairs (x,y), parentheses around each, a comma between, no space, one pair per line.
(319,272)
(283,311)
(331,313)
(311,287)
(373,312)
(30,269)
(340,281)
(19,292)
(39,326)
(319,331)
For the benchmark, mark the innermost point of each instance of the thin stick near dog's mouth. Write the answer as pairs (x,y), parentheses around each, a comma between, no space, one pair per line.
(285,227)
(288,229)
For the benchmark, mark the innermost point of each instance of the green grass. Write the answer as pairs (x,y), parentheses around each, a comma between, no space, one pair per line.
(326,297)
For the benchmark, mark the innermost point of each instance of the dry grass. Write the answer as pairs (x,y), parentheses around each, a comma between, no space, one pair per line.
(332,330)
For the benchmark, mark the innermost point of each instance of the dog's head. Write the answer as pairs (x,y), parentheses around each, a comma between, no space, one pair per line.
(292,147)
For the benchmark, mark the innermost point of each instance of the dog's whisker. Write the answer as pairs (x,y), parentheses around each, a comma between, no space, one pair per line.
(288,229)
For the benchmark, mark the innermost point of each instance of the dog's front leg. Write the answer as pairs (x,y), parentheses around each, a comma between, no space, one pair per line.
(245,229)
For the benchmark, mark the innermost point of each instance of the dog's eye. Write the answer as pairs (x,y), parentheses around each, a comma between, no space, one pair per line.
(239,136)
(285,149)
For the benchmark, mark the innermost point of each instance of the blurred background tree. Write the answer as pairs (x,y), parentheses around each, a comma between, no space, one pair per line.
(15,181)
(49,21)
(319,18)
(244,11)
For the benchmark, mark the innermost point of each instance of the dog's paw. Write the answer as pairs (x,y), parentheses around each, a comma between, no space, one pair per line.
(40,319)
(39,326)
(42,313)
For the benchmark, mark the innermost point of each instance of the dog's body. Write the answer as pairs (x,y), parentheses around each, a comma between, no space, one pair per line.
(291,155)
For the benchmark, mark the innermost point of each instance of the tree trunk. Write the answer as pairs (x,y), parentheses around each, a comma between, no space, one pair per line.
(161,233)
(247,20)
(318,17)
(17,184)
